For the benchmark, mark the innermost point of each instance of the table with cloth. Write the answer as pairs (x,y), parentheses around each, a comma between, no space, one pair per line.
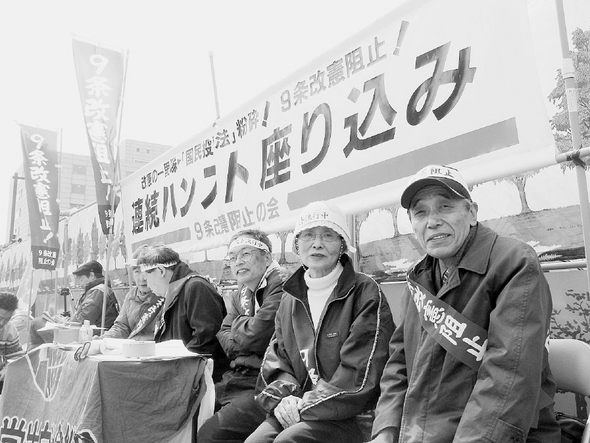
(48,396)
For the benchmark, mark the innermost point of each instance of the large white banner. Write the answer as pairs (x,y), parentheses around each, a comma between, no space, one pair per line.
(434,82)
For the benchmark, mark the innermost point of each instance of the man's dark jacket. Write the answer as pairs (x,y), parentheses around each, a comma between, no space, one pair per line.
(193,312)
(89,305)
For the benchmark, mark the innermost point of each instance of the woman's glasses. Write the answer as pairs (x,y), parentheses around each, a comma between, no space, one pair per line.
(325,236)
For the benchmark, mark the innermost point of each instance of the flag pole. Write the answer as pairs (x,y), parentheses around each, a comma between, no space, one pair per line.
(29,304)
(116,185)
(59,169)
(214,85)
(216,98)
(571,94)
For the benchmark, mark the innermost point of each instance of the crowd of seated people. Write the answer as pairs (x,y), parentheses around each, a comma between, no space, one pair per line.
(315,355)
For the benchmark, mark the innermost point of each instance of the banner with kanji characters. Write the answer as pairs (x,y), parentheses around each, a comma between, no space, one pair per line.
(101,73)
(39,166)
(49,396)
(433,82)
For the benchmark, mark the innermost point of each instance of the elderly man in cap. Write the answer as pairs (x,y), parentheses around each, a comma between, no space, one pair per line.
(137,319)
(468,363)
(89,305)
(244,336)
(192,311)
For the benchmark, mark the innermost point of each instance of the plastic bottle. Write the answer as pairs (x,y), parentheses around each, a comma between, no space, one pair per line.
(85,333)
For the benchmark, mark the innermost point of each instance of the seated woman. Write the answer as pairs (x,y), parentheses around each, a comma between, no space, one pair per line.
(137,319)
(321,371)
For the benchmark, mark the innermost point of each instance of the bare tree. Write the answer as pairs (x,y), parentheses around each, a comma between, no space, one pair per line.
(359,219)
(283,237)
(393,210)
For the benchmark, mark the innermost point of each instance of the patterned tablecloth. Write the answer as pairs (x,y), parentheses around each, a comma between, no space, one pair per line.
(48,397)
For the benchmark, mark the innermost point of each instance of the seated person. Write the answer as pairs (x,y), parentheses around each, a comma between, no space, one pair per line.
(9,341)
(137,319)
(244,336)
(193,310)
(89,305)
(469,361)
(320,374)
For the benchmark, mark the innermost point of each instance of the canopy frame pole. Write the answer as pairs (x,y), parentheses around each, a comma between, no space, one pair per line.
(571,93)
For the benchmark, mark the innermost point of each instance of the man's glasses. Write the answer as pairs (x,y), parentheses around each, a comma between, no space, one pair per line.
(244,256)
(325,236)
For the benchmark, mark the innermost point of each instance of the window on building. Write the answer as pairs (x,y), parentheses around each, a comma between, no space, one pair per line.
(79,169)
(78,189)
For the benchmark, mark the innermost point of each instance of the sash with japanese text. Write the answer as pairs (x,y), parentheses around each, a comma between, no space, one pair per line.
(100,74)
(147,316)
(39,165)
(462,338)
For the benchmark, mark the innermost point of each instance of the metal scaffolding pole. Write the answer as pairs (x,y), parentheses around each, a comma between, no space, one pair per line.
(571,93)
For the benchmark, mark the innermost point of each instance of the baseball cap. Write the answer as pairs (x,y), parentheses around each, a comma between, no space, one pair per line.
(90,266)
(446,176)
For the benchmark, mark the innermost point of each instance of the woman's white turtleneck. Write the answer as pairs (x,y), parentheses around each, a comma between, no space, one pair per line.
(319,289)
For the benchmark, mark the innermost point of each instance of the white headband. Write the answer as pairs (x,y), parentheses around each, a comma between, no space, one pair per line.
(145,268)
(247,241)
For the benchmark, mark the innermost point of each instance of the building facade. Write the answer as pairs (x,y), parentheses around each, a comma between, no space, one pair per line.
(76,183)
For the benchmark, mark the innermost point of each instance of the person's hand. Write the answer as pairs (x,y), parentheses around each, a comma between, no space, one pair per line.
(48,317)
(287,411)
(60,319)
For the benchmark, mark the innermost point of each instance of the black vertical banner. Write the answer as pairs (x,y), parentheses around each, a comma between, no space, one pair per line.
(39,165)
(100,72)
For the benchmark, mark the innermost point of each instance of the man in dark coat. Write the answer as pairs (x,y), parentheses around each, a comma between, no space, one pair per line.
(89,305)
(193,310)
(469,362)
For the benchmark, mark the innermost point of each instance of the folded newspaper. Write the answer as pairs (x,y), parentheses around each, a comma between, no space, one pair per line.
(111,349)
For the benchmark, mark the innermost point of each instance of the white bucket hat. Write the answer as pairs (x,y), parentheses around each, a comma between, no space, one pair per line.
(321,214)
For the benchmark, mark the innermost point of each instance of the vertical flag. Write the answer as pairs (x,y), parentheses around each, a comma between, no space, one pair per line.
(101,74)
(27,289)
(39,164)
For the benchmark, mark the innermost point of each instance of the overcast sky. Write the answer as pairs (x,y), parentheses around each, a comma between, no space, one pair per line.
(168,92)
